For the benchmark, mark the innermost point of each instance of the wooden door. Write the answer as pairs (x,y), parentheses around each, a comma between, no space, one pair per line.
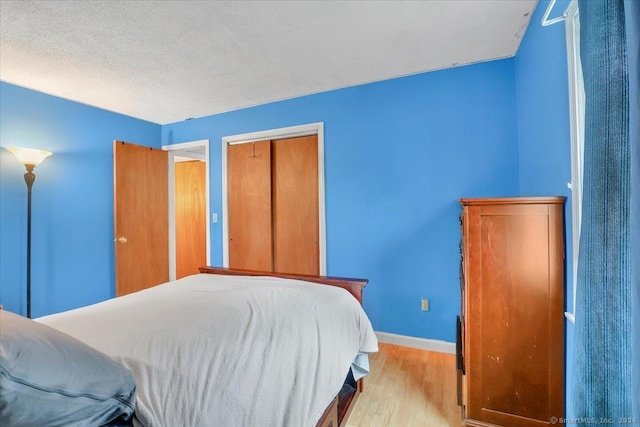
(249,206)
(141,214)
(295,205)
(190,217)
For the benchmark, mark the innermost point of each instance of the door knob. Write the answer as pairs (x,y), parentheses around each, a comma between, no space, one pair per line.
(121,240)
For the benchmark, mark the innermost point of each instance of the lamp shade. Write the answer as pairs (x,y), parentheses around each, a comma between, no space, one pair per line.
(29,156)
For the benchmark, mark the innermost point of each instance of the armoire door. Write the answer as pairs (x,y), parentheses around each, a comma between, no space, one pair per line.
(190,217)
(513,311)
(141,216)
(273,205)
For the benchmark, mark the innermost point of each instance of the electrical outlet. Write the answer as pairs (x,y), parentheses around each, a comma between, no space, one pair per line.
(425,304)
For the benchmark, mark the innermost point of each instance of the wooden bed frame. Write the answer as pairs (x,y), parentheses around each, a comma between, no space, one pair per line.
(337,413)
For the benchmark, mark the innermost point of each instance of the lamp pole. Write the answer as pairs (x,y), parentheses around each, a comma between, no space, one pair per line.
(30,158)
(29,178)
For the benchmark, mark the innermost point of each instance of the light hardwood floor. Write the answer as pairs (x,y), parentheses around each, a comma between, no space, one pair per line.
(408,387)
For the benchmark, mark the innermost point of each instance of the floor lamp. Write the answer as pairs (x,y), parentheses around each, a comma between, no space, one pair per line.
(31,158)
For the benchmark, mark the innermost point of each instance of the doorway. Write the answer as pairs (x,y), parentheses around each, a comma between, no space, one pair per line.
(189,208)
(313,129)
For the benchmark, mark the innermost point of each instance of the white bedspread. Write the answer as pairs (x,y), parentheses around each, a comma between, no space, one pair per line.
(212,350)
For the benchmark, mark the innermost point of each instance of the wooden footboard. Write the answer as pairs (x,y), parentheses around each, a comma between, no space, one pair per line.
(338,411)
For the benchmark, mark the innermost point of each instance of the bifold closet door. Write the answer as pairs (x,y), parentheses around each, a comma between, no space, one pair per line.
(294,168)
(249,206)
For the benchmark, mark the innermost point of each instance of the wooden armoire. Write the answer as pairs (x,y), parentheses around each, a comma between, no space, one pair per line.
(273,205)
(511,329)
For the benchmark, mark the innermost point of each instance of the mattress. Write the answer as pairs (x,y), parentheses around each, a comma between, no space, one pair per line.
(217,350)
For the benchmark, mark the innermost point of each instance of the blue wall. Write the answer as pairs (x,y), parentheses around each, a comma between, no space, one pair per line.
(398,155)
(72,245)
(544,138)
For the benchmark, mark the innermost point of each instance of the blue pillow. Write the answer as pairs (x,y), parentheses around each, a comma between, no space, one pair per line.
(48,378)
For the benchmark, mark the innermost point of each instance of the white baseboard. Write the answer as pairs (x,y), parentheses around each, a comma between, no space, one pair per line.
(414,342)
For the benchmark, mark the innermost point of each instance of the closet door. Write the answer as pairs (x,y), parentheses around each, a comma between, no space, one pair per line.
(249,206)
(295,205)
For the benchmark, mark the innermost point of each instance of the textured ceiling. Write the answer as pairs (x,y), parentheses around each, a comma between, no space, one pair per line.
(166,61)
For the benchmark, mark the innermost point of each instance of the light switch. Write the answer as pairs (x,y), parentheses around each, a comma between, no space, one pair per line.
(214,217)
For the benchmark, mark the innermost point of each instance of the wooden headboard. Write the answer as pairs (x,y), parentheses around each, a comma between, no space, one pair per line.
(354,286)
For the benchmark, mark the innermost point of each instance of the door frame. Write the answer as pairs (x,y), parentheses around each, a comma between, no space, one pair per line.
(271,134)
(172,149)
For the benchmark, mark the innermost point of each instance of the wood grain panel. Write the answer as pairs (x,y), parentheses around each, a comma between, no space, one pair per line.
(191,217)
(295,205)
(141,215)
(249,206)
(515,314)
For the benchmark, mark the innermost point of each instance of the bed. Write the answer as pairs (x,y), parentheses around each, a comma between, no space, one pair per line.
(234,348)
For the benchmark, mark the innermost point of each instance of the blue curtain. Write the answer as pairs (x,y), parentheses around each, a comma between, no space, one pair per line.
(632,20)
(604,329)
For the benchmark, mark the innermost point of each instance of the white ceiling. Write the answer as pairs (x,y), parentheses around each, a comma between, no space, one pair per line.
(166,61)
